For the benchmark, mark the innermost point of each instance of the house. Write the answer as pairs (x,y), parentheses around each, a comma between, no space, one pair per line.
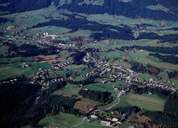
(114,119)
(94,117)
(105,123)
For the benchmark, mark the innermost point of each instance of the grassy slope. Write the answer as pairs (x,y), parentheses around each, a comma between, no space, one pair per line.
(146,102)
(100,87)
(69,89)
(64,120)
(15,69)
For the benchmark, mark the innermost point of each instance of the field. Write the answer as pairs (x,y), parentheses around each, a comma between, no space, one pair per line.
(101,87)
(68,90)
(146,102)
(16,69)
(64,120)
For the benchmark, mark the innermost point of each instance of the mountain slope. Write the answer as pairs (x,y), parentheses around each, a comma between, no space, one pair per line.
(24,5)
(151,9)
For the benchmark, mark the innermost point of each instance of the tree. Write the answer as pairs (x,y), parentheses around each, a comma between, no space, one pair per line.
(171,105)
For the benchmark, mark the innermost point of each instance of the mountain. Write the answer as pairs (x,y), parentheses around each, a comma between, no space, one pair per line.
(154,9)
(24,5)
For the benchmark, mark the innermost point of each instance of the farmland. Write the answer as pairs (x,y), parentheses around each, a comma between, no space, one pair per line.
(146,102)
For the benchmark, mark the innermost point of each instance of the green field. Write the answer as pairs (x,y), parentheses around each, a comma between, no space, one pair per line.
(144,58)
(64,120)
(146,102)
(100,87)
(16,69)
(69,89)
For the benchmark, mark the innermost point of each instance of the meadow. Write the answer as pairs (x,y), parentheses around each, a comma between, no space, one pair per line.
(64,120)
(146,102)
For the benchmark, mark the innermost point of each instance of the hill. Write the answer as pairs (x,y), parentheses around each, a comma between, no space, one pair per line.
(154,9)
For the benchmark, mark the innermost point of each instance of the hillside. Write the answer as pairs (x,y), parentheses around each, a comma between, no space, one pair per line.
(134,8)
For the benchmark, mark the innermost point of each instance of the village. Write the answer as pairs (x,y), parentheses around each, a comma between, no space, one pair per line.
(106,71)
(113,72)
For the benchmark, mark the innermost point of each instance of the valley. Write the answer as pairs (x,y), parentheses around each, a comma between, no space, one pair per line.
(88,64)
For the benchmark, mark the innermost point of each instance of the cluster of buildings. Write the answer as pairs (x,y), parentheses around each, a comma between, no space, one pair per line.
(8,82)
(57,66)
(159,84)
(43,78)
(130,77)
(108,119)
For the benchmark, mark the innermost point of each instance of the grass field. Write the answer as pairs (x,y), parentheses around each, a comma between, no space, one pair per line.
(100,87)
(64,120)
(146,102)
(145,76)
(111,56)
(68,90)
(16,69)
(3,50)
